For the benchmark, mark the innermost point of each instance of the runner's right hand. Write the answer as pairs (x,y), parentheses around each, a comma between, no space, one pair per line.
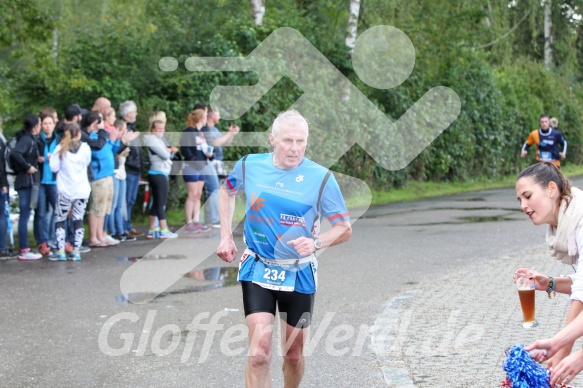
(227,250)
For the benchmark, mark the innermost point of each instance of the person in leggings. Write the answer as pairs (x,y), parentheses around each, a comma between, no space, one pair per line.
(160,154)
(70,160)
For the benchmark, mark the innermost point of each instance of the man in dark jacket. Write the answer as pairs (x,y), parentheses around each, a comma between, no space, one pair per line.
(134,164)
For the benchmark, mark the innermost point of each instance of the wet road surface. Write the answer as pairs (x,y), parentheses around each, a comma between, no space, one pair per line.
(69,324)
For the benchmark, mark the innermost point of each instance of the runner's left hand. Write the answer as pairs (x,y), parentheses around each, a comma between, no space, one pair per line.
(304,246)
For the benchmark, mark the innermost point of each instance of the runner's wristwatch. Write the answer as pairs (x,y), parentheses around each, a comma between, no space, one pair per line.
(317,243)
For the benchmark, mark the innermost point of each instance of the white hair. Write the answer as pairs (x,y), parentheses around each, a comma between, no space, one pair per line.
(554,122)
(127,107)
(291,118)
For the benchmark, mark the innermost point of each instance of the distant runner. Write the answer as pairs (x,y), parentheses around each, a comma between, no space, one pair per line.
(547,140)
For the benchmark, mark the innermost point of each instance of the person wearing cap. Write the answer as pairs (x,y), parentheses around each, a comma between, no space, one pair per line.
(73,114)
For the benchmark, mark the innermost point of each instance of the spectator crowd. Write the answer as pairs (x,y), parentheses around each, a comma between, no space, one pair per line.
(91,162)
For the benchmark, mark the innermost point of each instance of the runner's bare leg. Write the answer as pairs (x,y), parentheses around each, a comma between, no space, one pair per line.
(260,327)
(294,361)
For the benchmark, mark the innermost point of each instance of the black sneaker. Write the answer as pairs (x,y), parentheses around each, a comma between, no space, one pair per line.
(7,254)
(127,237)
(120,237)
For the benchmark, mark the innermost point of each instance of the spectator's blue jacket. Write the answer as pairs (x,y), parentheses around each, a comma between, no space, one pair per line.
(103,161)
(47,147)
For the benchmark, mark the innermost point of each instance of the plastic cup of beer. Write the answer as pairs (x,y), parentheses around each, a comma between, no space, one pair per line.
(526,291)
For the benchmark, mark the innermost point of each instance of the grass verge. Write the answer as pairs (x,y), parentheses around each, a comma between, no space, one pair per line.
(413,191)
(419,190)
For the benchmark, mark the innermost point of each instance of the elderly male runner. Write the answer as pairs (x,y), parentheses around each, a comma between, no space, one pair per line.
(286,196)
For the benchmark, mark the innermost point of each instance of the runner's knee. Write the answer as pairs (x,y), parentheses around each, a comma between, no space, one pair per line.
(260,360)
(293,357)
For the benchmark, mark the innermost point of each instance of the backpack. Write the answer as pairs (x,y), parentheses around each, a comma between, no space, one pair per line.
(10,144)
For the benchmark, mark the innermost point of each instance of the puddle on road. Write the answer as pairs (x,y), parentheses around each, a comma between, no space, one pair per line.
(474,219)
(461,222)
(201,236)
(122,258)
(202,280)
(465,220)
(149,257)
(371,214)
(474,199)
(226,275)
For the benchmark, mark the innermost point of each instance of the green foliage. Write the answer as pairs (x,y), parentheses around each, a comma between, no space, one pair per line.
(23,22)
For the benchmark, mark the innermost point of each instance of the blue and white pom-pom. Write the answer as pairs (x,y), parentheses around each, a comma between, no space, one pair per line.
(522,371)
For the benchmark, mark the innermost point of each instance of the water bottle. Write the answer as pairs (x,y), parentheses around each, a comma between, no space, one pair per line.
(156,233)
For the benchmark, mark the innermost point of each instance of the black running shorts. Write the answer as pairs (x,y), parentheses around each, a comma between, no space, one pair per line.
(294,307)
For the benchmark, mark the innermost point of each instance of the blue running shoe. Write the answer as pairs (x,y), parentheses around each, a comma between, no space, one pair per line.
(58,256)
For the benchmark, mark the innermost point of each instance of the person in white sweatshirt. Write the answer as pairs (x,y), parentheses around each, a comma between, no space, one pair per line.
(69,161)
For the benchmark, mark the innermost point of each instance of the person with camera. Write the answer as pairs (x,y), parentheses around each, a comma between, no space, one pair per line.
(101,178)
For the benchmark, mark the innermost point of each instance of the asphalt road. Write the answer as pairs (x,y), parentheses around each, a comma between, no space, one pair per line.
(68,323)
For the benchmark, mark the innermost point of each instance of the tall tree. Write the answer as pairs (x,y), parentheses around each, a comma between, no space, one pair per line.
(548,35)
(257,10)
(352,28)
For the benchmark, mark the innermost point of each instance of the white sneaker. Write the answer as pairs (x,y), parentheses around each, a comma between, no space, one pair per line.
(27,254)
(110,240)
(167,234)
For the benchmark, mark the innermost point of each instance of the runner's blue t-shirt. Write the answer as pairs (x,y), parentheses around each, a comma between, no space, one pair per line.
(281,206)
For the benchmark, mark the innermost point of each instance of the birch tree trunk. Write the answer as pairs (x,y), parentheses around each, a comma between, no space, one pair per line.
(257,10)
(55,48)
(488,18)
(352,28)
(548,35)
